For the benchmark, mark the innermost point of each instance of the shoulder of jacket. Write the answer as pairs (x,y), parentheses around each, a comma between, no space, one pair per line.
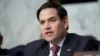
(81,37)
(36,42)
(84,42)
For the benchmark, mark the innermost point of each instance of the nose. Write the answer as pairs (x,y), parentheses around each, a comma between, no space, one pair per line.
(47,26)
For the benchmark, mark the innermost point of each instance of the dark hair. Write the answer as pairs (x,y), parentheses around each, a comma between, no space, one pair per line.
(60,10)
(1,37)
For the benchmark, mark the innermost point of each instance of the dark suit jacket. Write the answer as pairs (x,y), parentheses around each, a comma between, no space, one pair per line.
(71,44)
(3,52)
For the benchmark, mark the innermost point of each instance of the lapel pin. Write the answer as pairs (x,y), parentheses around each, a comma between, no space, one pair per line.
(68,50)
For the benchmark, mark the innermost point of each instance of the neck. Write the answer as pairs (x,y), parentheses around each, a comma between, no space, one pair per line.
(56,41)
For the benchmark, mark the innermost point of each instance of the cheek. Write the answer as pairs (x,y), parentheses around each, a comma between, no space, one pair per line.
(58,27)
(41,28)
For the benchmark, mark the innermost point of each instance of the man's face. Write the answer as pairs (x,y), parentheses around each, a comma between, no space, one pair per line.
(52,27)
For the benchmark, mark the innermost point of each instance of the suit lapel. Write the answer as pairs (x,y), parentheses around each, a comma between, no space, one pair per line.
(66,48)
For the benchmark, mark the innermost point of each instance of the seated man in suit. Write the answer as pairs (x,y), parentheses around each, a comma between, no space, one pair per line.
(17,51)
(2,51)
(56,40)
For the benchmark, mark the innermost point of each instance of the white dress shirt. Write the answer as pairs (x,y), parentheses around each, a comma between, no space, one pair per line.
(59,44)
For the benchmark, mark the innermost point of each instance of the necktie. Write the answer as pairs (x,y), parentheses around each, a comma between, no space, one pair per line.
(55,49)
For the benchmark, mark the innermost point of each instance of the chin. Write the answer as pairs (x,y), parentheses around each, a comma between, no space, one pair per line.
(50,39)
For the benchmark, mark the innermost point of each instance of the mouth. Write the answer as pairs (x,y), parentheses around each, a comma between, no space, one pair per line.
(49,33)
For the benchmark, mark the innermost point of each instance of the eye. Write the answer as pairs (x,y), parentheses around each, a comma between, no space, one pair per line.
(53,19)
(42,22)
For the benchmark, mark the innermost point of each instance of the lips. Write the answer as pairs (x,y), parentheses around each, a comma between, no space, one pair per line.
(49,33)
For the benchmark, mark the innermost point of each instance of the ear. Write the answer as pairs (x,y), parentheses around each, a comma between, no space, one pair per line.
(65,20)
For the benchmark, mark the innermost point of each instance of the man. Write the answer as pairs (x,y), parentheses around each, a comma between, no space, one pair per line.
(16,51)
(53,24)
(2,51)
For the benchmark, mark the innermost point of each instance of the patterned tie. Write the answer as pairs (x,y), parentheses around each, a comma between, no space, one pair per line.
(55,49)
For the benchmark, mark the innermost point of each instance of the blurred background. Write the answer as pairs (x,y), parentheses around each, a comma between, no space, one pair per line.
(19,25)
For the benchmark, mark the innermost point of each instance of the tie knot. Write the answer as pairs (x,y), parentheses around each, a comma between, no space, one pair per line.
(55,49)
